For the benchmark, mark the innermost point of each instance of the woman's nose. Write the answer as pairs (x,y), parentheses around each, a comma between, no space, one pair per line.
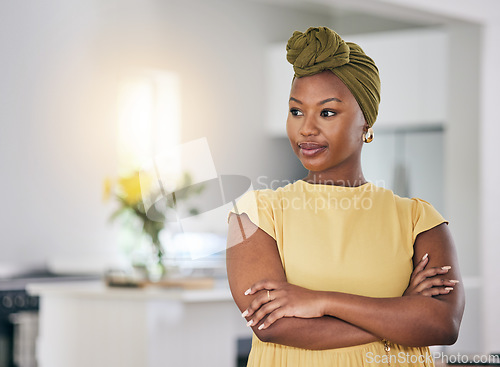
(308,127)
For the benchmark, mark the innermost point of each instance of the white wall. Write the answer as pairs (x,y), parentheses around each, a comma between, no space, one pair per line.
(462,173)
(488,186)
(56,133)
(487,248)
(59,71)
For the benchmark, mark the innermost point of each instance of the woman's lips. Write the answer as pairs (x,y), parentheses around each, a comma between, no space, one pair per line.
(311,149)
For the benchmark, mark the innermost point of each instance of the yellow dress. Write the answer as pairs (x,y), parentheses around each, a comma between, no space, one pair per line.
(356,240)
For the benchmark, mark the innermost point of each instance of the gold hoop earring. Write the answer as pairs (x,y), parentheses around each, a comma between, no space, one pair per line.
(368,135)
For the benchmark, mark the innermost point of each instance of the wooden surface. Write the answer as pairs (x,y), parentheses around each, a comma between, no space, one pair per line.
(184,283)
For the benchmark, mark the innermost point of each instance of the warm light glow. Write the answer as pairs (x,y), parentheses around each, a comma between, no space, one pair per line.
(148,117)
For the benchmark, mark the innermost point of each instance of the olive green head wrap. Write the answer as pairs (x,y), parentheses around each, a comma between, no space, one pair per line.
(320,48)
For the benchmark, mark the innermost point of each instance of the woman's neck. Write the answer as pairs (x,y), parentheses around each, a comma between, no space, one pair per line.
(351,178)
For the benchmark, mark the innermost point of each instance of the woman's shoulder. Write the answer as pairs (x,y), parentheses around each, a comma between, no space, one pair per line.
(399,199)
(259,198)
(276,189)
(269,197)
(412,205)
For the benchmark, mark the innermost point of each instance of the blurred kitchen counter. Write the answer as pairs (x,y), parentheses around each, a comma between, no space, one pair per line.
(98,289)
(91,324)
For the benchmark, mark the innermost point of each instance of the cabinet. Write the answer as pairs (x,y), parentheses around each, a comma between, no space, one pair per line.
(412,66)
(89,324)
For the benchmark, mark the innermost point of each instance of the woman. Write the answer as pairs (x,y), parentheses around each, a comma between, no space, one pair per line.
(332,270)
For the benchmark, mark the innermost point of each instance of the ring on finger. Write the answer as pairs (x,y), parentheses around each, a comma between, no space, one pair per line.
(268,296)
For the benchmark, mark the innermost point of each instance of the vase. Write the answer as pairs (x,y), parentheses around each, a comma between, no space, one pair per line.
(157,269)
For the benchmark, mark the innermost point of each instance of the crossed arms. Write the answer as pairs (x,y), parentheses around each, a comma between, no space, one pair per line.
(428,313)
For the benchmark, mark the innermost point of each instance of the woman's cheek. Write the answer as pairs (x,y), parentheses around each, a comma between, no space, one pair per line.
(291,136)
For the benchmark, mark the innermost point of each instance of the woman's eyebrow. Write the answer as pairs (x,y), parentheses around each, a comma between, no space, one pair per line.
(333,99)
(330,100)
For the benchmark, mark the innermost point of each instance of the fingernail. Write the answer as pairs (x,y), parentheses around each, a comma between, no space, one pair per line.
(446,267)
(244,313)
(261,327)
(448,289)
(250,323)
(454,281)
(425,257)
(247,292)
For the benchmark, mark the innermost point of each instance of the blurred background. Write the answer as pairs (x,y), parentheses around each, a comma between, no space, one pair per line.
(90,88)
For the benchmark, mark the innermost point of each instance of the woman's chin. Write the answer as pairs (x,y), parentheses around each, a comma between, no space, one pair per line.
(313,164)
(311,167)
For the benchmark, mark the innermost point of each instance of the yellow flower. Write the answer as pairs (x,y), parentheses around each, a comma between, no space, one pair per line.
(131,187)
(108,186)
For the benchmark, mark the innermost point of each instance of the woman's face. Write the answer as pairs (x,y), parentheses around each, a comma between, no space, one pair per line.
(325,124)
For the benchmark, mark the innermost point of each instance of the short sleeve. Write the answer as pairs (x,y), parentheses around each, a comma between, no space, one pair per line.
(424,217)
(258,205)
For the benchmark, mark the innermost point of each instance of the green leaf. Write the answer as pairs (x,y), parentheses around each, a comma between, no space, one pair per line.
(118,213)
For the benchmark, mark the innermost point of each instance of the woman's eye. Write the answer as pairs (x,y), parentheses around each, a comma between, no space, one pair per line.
(328,113)
(296,112)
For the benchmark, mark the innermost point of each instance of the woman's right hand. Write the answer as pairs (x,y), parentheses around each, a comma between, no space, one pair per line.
(429,282)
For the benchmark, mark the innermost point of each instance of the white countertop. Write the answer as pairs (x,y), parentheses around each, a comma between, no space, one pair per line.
(98,289)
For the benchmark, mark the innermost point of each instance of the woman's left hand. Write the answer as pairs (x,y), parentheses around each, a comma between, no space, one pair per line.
(281,299)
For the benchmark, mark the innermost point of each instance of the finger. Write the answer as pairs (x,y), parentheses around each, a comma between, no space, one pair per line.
(260,285)
(421,265)
(446,290)
(428,273)
(436,282)
(262,312)
(436,291)
(260,299)
(273,316)
(431,292)
(432,282)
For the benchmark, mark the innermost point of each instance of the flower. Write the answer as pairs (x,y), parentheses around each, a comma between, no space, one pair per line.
(133,186)
(134,191)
